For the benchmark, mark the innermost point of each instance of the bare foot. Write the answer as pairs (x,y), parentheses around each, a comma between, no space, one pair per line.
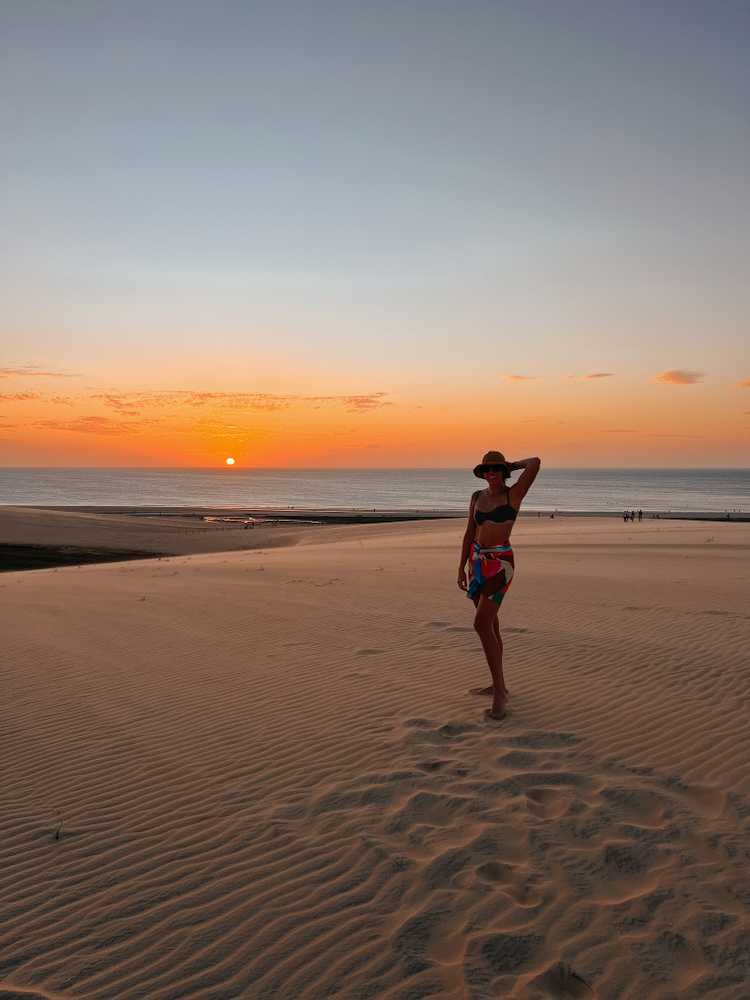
(495,713)
(488,690)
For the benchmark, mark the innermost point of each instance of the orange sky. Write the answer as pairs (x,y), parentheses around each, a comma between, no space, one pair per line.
(681,420)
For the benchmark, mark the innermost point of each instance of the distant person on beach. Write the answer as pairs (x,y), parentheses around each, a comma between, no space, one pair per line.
(486,547)
(625,515)
(640,515)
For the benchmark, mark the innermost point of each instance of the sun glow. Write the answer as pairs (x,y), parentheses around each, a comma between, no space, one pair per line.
(230,461)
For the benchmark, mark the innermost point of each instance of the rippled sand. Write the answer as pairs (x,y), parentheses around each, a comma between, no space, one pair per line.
(260,773)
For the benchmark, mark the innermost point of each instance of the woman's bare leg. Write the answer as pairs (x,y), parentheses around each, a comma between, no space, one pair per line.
(491,690)
(484,624)
(500,644)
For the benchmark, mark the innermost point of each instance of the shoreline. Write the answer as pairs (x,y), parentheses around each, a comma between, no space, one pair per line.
(50,537)
(362,515)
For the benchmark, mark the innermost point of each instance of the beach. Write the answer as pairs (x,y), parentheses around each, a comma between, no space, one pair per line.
(250,766)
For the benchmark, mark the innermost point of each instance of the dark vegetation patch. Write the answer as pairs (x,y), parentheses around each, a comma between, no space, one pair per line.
(20,557)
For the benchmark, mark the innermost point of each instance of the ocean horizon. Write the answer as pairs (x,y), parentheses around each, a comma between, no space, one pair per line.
(586,490)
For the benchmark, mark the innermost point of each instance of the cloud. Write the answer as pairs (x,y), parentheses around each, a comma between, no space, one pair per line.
(361,404)
(31,371)
(620,430)
(134,402)
(678,376)
(238,400)
(520,378)
(118,403)
(90,425)
(656,435)
(25,397)
(744,384)
(592,375)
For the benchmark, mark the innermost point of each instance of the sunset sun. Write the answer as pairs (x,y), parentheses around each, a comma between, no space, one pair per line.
(230,461)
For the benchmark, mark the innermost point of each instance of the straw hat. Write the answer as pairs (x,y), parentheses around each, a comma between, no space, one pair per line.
(491,458)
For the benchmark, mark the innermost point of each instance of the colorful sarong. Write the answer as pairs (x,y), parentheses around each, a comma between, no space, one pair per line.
(490,571)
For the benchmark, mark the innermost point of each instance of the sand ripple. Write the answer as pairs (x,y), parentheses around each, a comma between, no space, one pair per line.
(252,785)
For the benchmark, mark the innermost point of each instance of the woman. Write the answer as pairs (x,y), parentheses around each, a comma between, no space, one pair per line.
(486,545)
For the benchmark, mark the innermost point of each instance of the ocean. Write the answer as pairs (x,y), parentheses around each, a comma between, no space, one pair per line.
(563,490)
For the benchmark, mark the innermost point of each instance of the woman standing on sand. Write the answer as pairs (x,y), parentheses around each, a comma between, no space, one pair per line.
(486,545)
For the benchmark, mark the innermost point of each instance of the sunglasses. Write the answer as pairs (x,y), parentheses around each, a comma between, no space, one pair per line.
(495,468)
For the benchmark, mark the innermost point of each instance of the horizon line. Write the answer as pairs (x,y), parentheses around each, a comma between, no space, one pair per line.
(372,468)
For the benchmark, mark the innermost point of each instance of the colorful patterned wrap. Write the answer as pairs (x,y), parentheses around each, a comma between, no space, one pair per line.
(490,571)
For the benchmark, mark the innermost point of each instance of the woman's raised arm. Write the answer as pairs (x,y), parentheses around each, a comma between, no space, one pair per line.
(531,467)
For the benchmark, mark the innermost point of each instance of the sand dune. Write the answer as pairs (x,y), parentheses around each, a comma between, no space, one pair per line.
(168,534)
(268,778)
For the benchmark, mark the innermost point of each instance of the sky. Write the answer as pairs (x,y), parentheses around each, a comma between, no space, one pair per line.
(329,234)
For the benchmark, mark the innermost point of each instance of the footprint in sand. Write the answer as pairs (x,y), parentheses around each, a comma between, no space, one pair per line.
(547,803)
(543,740)
(638,806)
(432,765)
(561,980)
(560,845)
(496,871)
(368,652)
(453,730)
(706,801)
(506,955)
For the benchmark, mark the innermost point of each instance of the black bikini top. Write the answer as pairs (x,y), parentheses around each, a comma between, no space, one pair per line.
(497,514)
